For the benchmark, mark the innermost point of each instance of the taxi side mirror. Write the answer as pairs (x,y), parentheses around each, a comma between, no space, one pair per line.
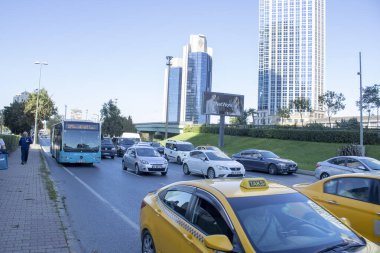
(218,242)
(345,221)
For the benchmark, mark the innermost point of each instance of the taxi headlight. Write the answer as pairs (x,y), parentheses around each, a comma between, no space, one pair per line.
(113,148)
(122,148)
(165,162)
(282,165)
(144,162)
(222,167)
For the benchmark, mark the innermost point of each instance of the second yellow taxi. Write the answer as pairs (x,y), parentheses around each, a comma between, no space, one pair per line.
(355,196)
(241,215)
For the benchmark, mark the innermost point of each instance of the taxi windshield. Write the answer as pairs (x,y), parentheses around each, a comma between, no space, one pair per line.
(290,223)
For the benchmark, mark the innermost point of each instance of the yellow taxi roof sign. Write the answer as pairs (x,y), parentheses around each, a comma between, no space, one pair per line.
(254,183)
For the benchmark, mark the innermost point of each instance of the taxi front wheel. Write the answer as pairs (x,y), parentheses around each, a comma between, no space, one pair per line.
(147,244)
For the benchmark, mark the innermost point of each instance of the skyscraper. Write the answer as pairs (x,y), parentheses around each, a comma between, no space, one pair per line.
(291,56)
(175,90)
(195,69)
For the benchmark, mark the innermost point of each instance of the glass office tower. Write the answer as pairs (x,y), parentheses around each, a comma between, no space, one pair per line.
(196,79)
(175,90)
(291,56)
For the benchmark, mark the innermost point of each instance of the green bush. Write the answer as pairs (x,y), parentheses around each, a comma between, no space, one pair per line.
(350,150)
(299,134)
(11,141)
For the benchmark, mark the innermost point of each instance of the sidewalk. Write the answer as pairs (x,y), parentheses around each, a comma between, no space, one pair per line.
(29,220)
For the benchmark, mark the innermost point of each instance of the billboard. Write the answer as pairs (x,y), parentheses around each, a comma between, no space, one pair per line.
(215,103)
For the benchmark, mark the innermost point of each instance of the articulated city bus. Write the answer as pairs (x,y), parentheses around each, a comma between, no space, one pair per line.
(76,142)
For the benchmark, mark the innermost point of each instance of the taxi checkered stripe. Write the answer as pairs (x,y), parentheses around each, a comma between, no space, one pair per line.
(184,224)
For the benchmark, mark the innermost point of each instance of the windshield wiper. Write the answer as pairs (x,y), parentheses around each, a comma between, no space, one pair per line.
(343,246)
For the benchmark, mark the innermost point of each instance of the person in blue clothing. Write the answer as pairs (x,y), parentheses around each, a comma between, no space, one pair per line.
(25,142)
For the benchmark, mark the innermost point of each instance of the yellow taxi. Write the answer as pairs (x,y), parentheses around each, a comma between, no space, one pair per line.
(353,196)
(241,215)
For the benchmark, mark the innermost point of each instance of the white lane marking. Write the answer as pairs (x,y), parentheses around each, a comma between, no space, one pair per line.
(114,209)
(132,173)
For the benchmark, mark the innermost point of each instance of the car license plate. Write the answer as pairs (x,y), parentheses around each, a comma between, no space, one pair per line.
(156,166)
(235,172)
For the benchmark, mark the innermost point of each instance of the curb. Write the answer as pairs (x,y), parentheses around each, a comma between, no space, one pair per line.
(305,172)
(72,241)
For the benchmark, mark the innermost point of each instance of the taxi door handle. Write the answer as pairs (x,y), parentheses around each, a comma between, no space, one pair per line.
(188,237)
(158,212)
(332,202)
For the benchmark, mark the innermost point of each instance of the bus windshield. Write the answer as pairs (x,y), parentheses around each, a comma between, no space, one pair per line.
(85,141)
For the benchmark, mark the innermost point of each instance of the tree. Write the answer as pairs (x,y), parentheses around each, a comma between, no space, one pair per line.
(332,102)
(283,113)
(113,124)
(241,120)
(53,120)
(16,119)
(370,100)
(46,107)
(252,112)
(301,105)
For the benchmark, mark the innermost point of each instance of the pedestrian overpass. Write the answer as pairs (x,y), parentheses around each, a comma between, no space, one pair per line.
(158,128)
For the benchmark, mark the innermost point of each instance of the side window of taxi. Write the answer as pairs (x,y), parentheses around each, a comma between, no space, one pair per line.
(178,201)
(209,220)
(354,188)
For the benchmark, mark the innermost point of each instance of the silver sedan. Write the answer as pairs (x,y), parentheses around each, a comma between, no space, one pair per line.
(346,164)
(142,158)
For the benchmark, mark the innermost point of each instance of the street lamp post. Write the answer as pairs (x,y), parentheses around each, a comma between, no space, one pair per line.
(38,97)
(361,104)
(169,58)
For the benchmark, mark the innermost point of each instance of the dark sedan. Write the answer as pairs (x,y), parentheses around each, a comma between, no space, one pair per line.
(108,148)
(158,147)
(267,161)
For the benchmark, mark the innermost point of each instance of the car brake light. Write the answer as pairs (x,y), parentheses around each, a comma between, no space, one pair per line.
(143,204)
(317,165)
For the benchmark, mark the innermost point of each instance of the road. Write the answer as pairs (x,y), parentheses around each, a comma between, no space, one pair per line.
(103,201)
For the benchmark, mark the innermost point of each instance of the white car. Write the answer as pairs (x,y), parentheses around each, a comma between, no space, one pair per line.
(177,150)
(347,164)
(212,164)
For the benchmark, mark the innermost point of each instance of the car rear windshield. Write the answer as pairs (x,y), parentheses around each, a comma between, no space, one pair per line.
(290,223)
(185,147)
(372,163)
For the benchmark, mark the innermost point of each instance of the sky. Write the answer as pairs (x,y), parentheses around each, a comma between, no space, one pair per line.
(116,49)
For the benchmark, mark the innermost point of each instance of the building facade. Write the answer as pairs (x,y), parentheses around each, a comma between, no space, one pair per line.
(22,97)
(291,57)
(195,72)
(175,90)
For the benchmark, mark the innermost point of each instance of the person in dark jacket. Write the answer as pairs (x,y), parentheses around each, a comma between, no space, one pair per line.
(25,142)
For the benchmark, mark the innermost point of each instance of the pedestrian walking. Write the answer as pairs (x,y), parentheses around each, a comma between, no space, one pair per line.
(25,142)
